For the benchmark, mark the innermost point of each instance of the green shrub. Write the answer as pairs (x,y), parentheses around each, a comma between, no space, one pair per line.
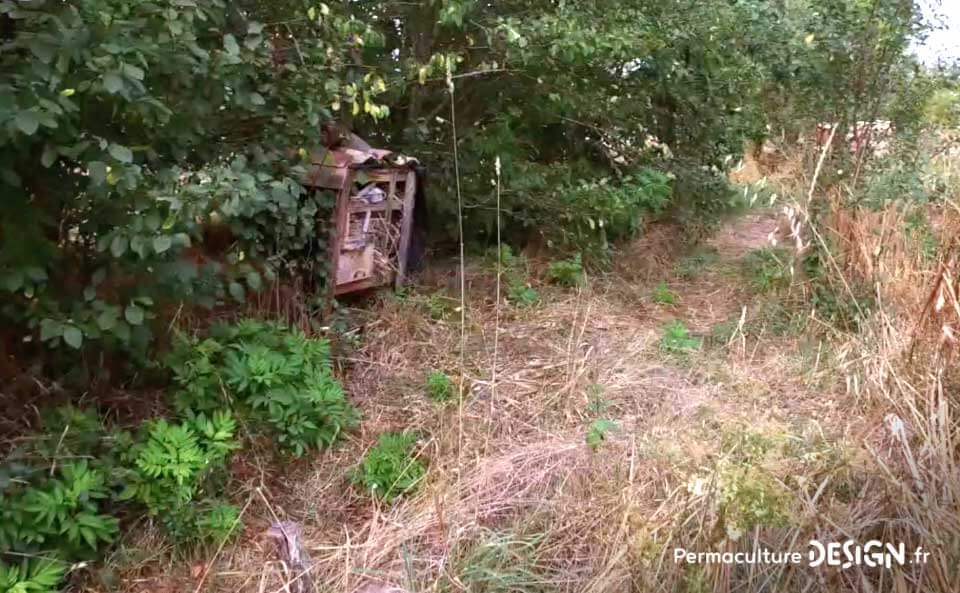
(32,576)
(59,512)
(274,377)
(389,469)
(170,470)
(521,293)
(766,269)
(662,295)
(676,339)
(590,213)
(169,462)
(210,521)
(567,272)
(514,273)
(894,180)
(439,386)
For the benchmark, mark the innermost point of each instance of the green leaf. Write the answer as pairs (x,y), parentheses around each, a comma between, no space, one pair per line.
(132,71)
(28,122)
(162,243)
(122,331)
(112,82)
(133,314)
(97,171)
(257,99)
(254,281)
(107,320)
(237,292)
(12,281)
(121,153)
(118,246)
(230,45)
(49,156)
(49,329)
(73,337)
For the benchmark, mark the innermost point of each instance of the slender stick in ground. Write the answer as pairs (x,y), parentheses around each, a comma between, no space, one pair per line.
(463,277)
(496,326)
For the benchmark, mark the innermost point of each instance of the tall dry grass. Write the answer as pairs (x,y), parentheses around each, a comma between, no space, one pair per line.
(733,449)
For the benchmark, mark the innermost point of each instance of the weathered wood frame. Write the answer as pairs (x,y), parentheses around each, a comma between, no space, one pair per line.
(341,217)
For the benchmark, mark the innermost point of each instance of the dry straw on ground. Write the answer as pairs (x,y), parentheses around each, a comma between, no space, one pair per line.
(762,440)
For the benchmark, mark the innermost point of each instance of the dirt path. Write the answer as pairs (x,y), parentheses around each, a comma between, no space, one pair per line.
(513,459)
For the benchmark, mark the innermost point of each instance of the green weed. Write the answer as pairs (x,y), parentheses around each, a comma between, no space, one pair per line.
(521,293)
(676,339)
(501,562)
(389,469)
(439,386)
(597,433)
(32,576)
(767,270)
(440,306)
(567,272)
(662,295)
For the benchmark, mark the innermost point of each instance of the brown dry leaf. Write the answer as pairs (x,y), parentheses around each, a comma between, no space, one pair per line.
(197,570)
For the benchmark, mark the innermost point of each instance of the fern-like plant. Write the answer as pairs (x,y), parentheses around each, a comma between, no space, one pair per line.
(276,377)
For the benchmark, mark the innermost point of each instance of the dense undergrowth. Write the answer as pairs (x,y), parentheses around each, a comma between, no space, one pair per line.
(152,159)
(69,489)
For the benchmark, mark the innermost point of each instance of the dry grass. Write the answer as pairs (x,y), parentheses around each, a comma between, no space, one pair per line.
(763,441)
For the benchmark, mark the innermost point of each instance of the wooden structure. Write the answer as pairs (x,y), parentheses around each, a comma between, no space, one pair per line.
(373,216)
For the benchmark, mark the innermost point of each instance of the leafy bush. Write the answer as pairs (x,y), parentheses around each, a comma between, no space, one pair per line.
(389,469)
(703,196)
(676,339)
(598,211)
(103,117)
(521,293)
(273,376)
(894,180)
(62,512)
(662,295)
(943,108)
(766,269)
(170,463)
(440,306)
(567,272)
(32,576)
(439,386)
(919,230)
